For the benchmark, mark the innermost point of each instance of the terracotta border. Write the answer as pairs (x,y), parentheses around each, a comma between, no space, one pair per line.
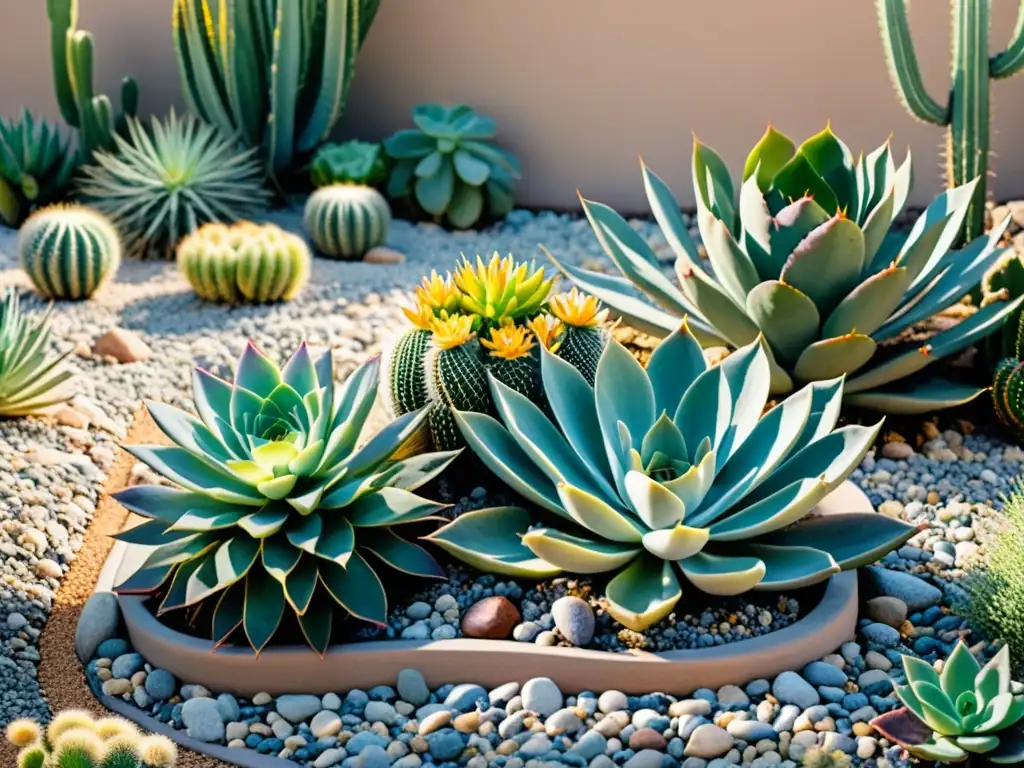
(294,669)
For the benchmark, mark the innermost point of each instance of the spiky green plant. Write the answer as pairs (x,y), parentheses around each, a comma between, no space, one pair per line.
(159,187)
(1008,387)
(344,221)
(449,166)
(35,167)
(673,469)
(353,162)
(491,317)
(244,262)
(75,740)
(278,509)
(71,51)
(1003,281)
(30,382)
(68,251)
(966,111)
(965,711)
(275,73)
(806,257)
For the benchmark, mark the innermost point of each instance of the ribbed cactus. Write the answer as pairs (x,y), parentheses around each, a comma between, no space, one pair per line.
(72,52)
(1003,281)
(483,321)
(244,262)
(275,73)
(68,251)
(75,740)
(966,113)
(344,221)
(1008,386)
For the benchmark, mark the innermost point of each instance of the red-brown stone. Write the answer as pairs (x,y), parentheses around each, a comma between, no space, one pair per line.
(493,618)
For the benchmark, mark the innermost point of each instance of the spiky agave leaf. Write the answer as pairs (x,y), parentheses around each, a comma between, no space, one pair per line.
(670,471)
(277,508)
(804,255)
(35,166)
(162,184)
(30,381)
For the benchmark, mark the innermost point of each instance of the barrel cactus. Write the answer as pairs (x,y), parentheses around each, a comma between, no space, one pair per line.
(965,710)
(68,251)
(30,381)
(35,167)
(449,167)
(352,162)
(488,318)
(244,262)
(278,510)
(344,221)
(806,258)
(673,469)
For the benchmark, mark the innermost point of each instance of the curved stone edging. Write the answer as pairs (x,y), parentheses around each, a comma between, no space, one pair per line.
(295,669)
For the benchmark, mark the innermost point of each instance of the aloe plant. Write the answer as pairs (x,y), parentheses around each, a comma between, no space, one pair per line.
(30,380)
(806,257)
(277,509)
(966,712)
(666,471)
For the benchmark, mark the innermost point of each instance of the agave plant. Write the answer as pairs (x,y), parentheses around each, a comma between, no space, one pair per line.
(673,469)
(30,382)
(448,165)
(35,166)
(965,710)
(806,257)
(157,189)
(277,507)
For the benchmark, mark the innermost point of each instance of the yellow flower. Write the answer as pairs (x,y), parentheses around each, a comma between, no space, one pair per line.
(509,342)
(454,331)
(420,315)
(577,309)
(500,290)
(547,329)
(439,294)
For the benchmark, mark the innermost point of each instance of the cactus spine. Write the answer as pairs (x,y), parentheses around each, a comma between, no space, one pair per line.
(68,251)
(72,53)
(244,262)
(346,220)
(966,114)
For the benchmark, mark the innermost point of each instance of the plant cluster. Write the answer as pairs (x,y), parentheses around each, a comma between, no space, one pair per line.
(484,319)
(805,257)
(673,469)
(35,167)
(161,185)
(244,262)
(277,511)
(966,710)
(275,74)
(449,166)
(30,380)
(354,162)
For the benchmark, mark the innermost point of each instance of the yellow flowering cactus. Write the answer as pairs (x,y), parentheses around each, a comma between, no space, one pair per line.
(483,320)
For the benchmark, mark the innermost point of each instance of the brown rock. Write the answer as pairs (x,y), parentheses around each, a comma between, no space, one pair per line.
(646,738)
(383,255)
(69,417)
(122,345)
(887,610)
(492,619)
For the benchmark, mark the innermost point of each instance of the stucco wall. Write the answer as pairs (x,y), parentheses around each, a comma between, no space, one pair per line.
(580,88)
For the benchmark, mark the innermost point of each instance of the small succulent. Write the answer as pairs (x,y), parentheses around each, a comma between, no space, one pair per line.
(277,509)
(963,711)
(354,162)
(671,470)
(244,262)
(68,251)
(35,167)
(30,382)
(494,317)
(805,256)
(449,166)
(158,188)
(74,739)
(344,221)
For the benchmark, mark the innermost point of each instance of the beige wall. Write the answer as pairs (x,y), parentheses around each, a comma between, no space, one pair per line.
(580,87)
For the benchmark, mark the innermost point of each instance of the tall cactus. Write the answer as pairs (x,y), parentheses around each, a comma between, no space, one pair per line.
(966,113)
(72,52)
(276,72)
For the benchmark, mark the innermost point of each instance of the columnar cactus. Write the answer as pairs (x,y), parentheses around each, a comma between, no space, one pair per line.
(485,320)
(244,262)
(71,50)
(966,113)
(344,221)
(68,251)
